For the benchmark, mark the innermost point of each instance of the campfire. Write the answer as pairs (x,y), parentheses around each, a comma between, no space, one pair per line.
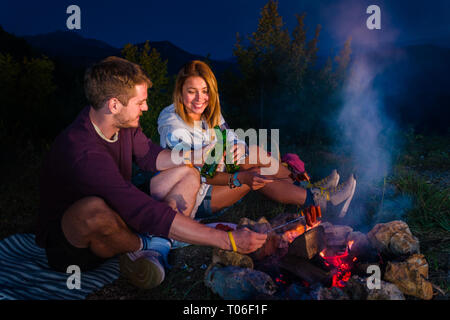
(322,261)
(341,264)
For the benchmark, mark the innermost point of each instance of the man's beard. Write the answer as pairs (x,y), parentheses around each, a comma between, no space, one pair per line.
(122,122)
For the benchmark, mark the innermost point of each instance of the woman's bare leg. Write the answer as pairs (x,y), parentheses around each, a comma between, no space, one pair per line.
(223,196)
(283,191)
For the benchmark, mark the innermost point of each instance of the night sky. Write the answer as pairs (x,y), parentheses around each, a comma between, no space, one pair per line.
(203,27)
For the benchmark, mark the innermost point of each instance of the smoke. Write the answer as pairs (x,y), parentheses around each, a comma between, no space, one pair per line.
(367,136)
(363,123)
(369,140)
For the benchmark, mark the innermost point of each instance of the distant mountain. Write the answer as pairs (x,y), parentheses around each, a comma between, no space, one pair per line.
(15,46)
(70,47)
(413,79)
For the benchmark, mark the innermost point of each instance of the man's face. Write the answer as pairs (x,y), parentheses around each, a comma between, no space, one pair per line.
(129,115)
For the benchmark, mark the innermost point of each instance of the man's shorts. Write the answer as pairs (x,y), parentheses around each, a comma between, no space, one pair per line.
(61,254)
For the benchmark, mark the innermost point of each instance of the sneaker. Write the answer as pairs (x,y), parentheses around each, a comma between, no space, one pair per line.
(144,269)
(329,182)
(336,195)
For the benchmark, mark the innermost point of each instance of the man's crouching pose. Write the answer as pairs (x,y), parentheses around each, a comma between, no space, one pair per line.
(90,211)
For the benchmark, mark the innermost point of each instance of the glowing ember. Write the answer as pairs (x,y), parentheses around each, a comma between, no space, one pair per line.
(280,280)
(341,264)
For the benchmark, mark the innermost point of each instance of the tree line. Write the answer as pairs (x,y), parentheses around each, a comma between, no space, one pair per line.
(278,84)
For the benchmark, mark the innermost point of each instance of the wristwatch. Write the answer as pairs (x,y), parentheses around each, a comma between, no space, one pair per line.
(236,182)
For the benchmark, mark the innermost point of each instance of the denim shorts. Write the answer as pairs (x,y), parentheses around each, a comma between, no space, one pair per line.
(204,210)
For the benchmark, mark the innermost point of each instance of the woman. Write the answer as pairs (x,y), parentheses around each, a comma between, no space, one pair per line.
(195,110)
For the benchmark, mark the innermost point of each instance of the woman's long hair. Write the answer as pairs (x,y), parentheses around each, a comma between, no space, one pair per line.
(198,68)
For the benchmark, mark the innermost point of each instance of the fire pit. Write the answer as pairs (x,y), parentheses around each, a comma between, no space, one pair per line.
(324,261)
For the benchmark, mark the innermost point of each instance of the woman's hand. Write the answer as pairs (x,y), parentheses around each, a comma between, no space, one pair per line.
(238,151)
(253,178)
(248,241)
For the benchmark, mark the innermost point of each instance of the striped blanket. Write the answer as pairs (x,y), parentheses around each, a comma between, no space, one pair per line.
(25,274)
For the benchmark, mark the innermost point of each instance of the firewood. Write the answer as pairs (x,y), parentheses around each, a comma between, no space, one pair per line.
(308,244)
(304,269)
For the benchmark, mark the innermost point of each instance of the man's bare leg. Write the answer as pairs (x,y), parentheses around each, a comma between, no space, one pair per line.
(178,187)
(91,223)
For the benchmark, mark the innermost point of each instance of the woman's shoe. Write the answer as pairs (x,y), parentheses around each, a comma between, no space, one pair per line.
(329,182)
(336,195)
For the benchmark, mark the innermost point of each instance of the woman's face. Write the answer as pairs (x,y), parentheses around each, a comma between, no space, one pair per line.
(195,97)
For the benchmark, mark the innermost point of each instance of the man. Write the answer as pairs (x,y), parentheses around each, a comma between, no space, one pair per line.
(90,211)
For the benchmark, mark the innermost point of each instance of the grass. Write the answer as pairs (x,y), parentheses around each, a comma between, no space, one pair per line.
(428,217)
(431,210)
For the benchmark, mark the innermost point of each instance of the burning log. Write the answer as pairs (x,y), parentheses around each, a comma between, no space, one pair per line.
(304,269)
(335,235)
(341,264)
(308,244)
(410,276)
(361,247)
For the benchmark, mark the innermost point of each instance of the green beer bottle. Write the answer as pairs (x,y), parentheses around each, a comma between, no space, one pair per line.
(210,166)
(229,167)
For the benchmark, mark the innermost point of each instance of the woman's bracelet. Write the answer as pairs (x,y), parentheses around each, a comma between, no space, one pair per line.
(187,158)
(230,182)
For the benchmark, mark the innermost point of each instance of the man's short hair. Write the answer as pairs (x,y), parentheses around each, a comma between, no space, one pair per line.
(113,77)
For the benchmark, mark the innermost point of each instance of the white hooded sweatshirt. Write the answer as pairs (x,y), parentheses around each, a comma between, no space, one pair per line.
(174,131)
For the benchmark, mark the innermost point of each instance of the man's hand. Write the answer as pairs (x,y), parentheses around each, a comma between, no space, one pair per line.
(248,241)
(253,178)
(198,157)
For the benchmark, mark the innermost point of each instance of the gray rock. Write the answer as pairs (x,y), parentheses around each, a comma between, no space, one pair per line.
(235,283)
(388,291)
(394,238)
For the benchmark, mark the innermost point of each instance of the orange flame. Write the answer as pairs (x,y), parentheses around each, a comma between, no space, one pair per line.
(350,244)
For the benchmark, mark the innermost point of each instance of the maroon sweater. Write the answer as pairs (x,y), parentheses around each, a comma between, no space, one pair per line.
(82,164)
